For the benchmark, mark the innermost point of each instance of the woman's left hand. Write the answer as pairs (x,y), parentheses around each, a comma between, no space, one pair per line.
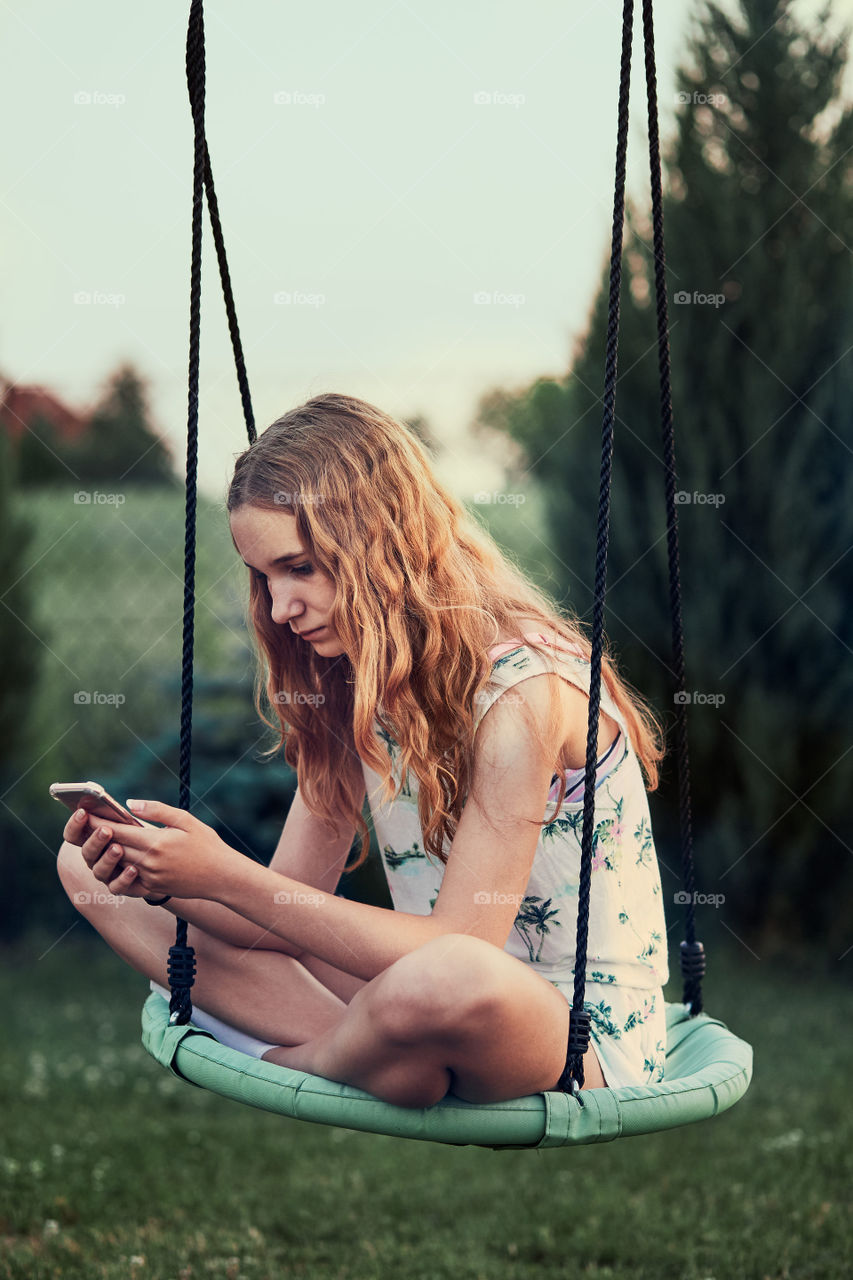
(183,857)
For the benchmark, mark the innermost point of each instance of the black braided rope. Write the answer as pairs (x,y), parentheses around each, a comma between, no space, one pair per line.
(230,309)
(181,966)
(181,963)
(692,952)
(572,1079)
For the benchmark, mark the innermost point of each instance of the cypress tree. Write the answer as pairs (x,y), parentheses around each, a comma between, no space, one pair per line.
(121,445)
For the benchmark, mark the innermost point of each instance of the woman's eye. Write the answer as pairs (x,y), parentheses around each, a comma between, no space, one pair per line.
(303,569)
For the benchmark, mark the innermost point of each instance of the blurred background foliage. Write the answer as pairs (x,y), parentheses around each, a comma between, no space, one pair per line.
(760,299)
(761,313)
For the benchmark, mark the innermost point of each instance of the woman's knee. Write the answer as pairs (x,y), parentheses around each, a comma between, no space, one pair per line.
(75,876)
(78,880)
(68,860)
(446,985)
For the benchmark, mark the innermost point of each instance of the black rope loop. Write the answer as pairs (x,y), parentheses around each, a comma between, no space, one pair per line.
(692,971)
(574,1075)
(182,961)
(571,1080)
(180,969)
(692,952)
(692,959)
(692,994)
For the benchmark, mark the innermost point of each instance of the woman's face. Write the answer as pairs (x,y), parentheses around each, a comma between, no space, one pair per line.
(302,594)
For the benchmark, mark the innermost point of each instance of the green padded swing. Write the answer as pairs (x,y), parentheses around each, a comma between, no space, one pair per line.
(707,1068)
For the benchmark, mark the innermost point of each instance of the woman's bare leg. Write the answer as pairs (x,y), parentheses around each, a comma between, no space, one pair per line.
(266,994)
(456,1015)
(345,985)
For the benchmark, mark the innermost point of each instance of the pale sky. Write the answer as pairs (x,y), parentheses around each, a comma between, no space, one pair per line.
(378,194)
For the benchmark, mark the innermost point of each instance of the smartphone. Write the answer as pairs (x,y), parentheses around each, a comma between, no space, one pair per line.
(92,797)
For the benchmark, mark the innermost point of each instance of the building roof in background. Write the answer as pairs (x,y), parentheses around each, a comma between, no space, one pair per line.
(20,405)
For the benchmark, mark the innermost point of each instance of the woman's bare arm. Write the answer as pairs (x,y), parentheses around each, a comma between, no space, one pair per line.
(305,852)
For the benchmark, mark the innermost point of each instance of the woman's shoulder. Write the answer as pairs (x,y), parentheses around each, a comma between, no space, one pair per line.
(533,649)
(523,651)
(529,631)
(519,630)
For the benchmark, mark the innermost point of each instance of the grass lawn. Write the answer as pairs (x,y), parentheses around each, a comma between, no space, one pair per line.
(111,1167)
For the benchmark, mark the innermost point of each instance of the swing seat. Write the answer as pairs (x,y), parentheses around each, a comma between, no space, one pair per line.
(708,1069)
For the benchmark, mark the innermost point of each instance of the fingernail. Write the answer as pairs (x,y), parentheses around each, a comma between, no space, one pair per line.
(105,832)
(79,815)
(138,805)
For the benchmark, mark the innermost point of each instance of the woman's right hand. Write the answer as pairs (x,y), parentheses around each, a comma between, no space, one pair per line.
(93,835)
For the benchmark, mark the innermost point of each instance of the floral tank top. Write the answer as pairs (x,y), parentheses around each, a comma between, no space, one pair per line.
(627,962)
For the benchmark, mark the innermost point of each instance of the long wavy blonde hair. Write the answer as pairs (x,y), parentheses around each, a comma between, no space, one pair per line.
(422,592)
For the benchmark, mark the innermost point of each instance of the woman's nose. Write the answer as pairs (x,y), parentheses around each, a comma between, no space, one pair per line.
(284,607)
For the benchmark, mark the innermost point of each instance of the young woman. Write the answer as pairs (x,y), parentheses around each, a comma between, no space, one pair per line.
(405,660)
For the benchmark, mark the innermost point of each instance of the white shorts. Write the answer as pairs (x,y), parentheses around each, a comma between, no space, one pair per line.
(224,1033)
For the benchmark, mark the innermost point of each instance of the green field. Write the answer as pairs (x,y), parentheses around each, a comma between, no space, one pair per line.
(107,587)
(111,1167)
